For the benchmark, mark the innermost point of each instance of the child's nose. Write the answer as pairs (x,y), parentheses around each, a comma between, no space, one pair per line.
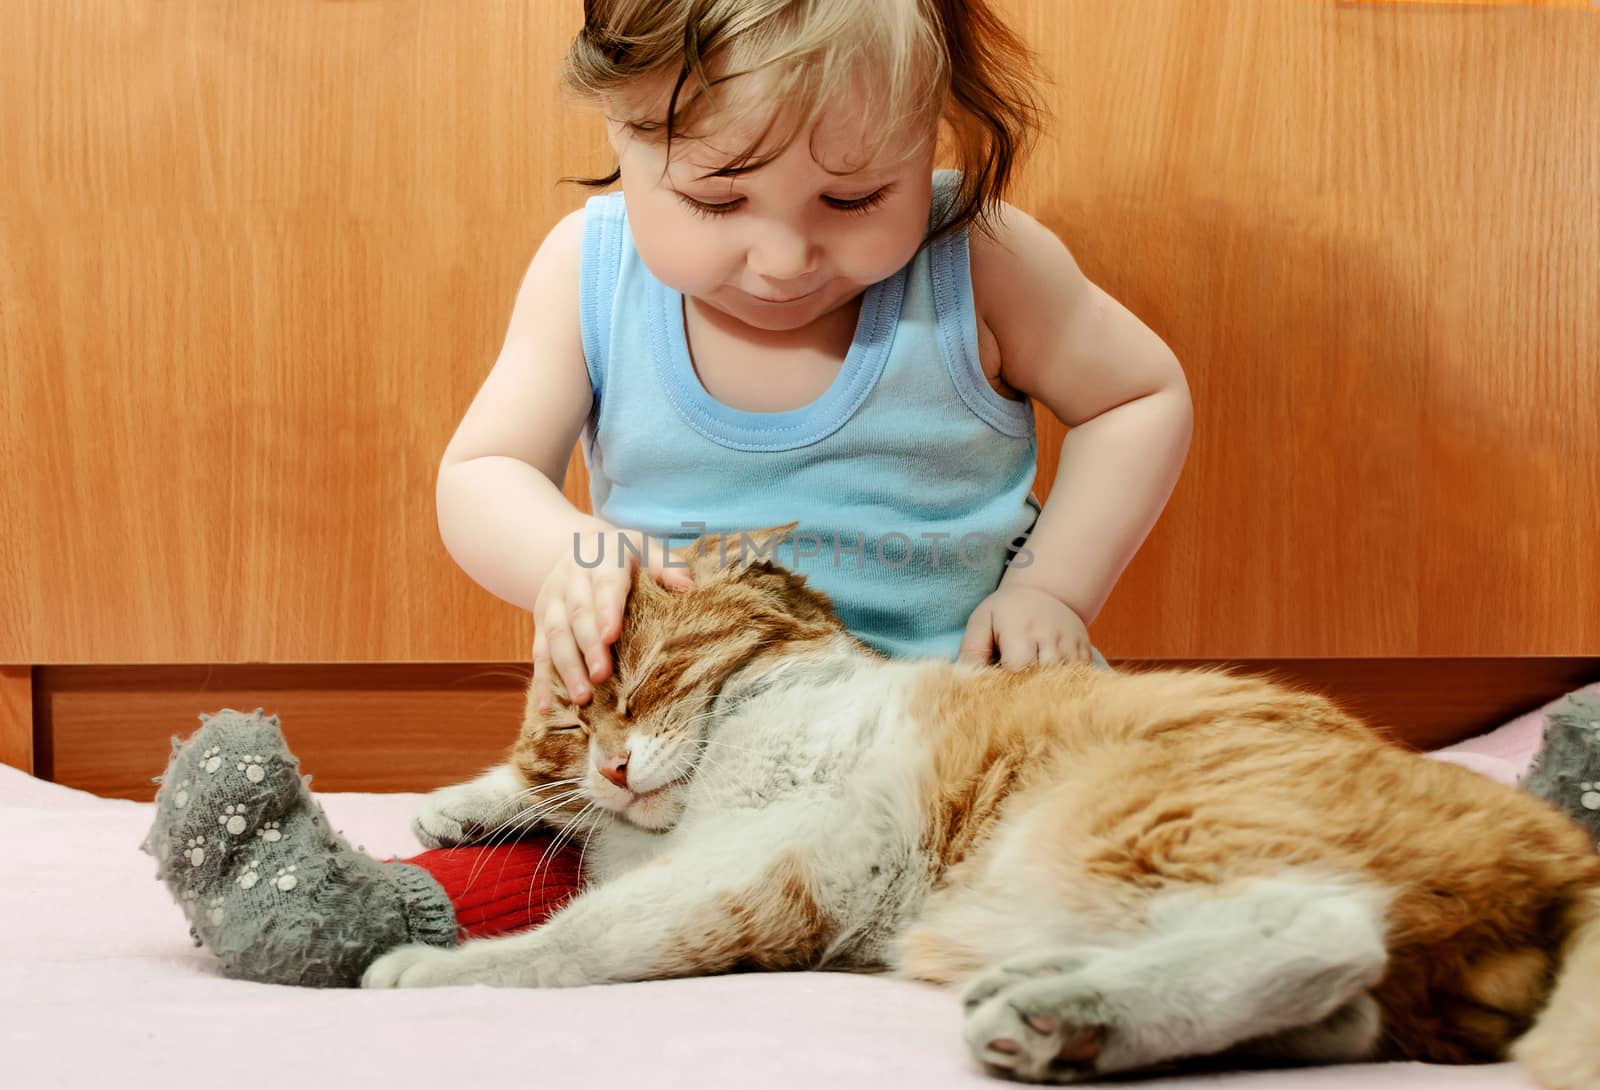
(781,255)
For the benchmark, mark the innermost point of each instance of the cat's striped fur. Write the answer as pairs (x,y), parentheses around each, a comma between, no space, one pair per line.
(1120,870)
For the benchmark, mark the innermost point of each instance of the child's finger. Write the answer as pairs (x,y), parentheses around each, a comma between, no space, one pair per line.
(541,672)
(977,642)
(564,655)
(581,614)
(607,613)
(673,577)
(611,598)
(1017,649)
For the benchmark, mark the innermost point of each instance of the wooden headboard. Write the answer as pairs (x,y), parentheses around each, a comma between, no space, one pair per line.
(413,727)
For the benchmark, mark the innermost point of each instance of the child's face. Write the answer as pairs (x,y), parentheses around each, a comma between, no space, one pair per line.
(787,249)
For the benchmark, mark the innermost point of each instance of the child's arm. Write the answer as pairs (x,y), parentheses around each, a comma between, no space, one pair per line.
(1118,387)
(501,511)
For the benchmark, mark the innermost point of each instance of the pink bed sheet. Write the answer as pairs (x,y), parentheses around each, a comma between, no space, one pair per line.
(100,987)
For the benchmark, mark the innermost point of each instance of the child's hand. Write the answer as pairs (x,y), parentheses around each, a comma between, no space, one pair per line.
(578,614)
(1029,626)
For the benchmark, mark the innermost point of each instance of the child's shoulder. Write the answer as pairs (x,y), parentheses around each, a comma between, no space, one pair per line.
(1025,286)
(1021,267)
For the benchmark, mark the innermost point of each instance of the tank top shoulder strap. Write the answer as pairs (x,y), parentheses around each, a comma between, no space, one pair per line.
(605,226)
(956,315)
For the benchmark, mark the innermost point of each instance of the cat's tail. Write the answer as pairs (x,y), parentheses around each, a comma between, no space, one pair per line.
(1562,1050)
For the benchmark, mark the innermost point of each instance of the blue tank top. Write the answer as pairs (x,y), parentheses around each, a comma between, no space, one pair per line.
(910,477)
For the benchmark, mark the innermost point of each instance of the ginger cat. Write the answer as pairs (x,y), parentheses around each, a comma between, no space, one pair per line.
(1119,870)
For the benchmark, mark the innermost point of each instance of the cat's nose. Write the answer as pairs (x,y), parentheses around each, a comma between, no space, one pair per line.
(615,768)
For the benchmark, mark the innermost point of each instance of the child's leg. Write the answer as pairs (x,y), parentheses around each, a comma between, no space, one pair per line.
(279,897)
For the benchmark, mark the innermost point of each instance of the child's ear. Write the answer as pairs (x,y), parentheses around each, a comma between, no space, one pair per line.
(729,554)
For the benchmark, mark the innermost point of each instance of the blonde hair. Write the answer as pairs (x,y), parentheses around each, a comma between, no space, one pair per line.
(926,61)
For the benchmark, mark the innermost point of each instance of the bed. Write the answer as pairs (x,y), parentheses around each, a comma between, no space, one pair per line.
(102,988)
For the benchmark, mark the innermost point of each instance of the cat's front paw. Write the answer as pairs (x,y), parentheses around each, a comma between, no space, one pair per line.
(441,823)
(496,963)
(414,966)
(468,813)
(423,966)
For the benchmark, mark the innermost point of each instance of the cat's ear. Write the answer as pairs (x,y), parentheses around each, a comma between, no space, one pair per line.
(730,554)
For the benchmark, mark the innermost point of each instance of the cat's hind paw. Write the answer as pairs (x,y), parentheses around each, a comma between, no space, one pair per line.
(1033,1047)
(1031,1019)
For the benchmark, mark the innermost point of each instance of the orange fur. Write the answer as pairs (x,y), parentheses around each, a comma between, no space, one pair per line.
(1144,783)
(1091,792)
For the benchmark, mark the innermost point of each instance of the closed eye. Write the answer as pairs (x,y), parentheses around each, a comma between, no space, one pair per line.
(858,204)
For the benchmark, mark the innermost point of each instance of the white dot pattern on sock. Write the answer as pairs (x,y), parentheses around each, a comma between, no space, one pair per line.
(232,819)
(1590,799)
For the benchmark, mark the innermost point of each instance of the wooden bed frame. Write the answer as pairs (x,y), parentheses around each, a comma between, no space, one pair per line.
(412,727)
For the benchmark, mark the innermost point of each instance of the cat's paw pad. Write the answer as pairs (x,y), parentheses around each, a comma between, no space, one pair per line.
(1590,799)
(1031,1041)
(1038,1018)
(180,795)
(195,850)
(271,832)
(286,879)
(250,875)
(211,759)
(214,911)
(232,819)
(251,766)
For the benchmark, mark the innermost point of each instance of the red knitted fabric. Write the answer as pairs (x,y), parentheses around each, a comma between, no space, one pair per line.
(506,887)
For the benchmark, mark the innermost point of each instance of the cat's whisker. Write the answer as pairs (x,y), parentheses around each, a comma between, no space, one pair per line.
(741,778)
(515,809)
(518,818)
(549,853)
(519,822)
(506,832)
(704,742)
(594,827)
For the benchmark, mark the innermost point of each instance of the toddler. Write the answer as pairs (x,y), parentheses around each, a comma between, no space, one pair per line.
(786,315)
(783,315)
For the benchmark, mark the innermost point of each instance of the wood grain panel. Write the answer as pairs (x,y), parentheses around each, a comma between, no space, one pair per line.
(413,728)
(354,727)
(255,259)
(1372,234)
(16,717)
(1426,703)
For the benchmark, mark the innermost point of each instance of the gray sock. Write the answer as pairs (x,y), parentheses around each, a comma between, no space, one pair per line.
(1566,770)
(266,884)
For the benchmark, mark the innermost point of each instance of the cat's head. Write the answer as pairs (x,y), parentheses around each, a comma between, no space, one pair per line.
(635,746)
